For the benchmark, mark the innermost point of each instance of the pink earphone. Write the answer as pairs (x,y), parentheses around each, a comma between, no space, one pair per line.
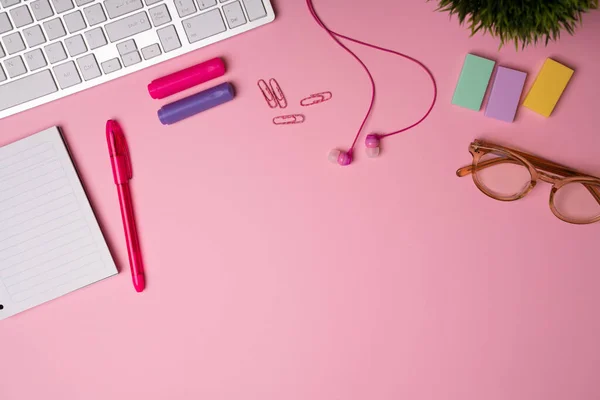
(372,141)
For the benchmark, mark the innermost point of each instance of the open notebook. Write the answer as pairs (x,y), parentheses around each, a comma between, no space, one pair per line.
(50,241)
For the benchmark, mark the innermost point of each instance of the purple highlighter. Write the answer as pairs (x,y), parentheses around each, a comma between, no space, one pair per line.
(194,104)
(506,94)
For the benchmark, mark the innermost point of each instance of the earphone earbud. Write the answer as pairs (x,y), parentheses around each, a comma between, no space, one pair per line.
(343,158)
(372,143)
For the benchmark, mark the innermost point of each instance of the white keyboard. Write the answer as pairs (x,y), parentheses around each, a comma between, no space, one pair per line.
(50,49)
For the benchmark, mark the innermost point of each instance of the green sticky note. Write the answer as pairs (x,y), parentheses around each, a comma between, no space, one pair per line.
(473,82)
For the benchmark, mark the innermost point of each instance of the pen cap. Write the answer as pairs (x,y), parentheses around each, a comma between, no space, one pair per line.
(194,104)
(186,78)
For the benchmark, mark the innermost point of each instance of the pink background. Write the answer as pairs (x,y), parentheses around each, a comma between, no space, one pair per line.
(275,275)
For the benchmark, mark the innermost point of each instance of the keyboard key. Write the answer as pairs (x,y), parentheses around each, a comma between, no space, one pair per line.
(67,75)
(41,9)
(160,15)
(5,24)
(8,3)
(169,38)
(62,5)
(95,38)
(117,8)
(111,65)
(83,2)
(131,58)
(151,51)
(127,26)
(234,14)
(2,74)
(15,66)
(204,25)
(74,22)
(26,89)
(185,7)
(150,2)
(13,43)
(89,67)
(54,29)
(1,52)
(21,16)
(75,45)
(126,47)
(55,52)
(204,4)
(255,9)
(35,59)
(94,14)
(34,36)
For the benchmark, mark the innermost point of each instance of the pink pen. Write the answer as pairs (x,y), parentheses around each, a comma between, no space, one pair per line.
(122,173)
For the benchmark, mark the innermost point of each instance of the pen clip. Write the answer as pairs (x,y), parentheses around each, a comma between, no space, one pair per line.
(126,156)
(119,146)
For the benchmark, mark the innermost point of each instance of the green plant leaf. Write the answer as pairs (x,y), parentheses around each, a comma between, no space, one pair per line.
(523,22)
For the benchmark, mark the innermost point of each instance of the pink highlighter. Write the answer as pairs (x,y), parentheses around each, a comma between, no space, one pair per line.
(186,78)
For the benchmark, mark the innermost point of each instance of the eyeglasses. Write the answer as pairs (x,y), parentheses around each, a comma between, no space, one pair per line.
(506,174)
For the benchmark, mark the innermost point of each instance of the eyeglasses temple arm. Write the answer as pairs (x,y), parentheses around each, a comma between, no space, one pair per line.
(594,192)
(545,165)
(468,169)
(558,169)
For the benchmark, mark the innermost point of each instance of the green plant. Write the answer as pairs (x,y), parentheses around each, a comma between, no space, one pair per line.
(523,22)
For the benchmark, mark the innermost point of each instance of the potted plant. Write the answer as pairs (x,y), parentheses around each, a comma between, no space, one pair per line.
(523,22)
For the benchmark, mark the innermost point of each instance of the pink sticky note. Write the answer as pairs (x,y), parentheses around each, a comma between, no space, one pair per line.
(506,94)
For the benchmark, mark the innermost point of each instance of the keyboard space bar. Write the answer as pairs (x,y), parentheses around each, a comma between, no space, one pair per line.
(26,89)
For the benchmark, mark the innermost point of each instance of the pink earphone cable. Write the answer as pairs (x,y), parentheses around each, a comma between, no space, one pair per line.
(334,35)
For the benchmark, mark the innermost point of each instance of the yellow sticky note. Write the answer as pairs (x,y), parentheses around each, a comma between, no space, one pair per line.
(549,85)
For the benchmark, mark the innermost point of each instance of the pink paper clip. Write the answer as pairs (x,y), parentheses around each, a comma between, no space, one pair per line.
(279,96)
(267,93)
(316,98)
(289,119)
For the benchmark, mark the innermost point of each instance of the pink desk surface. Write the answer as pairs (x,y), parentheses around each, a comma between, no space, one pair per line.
(273,275)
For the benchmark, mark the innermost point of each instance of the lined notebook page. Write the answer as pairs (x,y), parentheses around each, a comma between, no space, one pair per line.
(50,241)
